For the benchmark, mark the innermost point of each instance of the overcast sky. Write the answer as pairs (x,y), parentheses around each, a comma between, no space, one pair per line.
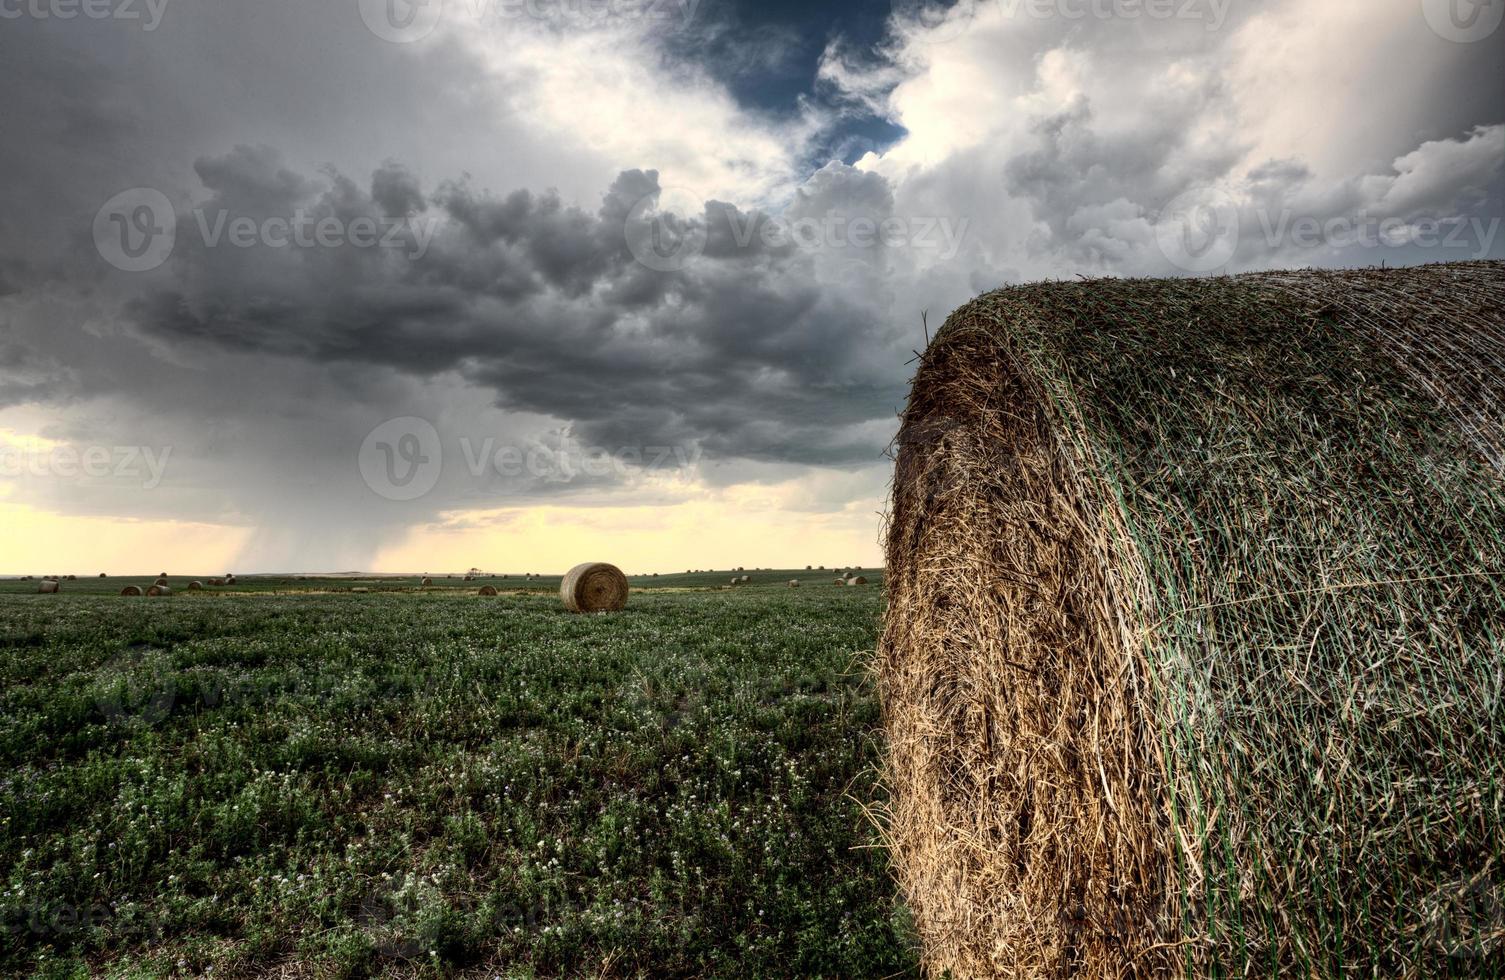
(516,283)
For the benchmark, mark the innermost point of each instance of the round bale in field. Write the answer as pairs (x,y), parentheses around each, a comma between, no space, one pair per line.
(160,581)
(857,580)
(195,586)
(230,580)
(487,590)
(426,581)
(157,590)
(594,587)
(794,583)
(101,574)
(736,580)
(131,590)
(47,585)
(72,578)
(1127,733)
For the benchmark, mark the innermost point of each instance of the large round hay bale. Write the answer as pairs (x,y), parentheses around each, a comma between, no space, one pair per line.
(216,582)
(195,586)
(857,580)
(48,586)
(1190,663)
(131,590)
(102,575)
(229,579)
(426,581)
(160,581)
(746,579)
(73,578)
(594,587)
(159,590)
(487,590)
(794,583)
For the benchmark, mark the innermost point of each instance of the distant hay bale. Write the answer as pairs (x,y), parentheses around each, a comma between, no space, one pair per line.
(736,580)
(427,581)
(195,586)
(161,575)
(746,578)
(102,575)
(230,580)
(838,580)
(1190,663)
(360,589)
(131,590)
(217,582)
(487,590)
(48,586)
(857,580)
(160,581)
(594,587)
(72,578)
(158,590)
(794,583)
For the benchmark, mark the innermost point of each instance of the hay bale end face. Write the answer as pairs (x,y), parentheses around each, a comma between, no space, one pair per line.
(131,590)
(1100,492)
(160,581)
(857,580)
(48,586)
(426,581)
(159,590)
(594,587)
(487,590)
(794,583)
(195,586)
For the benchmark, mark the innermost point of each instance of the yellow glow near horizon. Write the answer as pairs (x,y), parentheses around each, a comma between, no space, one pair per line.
(40,542)
(699,534)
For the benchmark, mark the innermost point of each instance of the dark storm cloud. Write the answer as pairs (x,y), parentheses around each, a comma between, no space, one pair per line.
(745,351)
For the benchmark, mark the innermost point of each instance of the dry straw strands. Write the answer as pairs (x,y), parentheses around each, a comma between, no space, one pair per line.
(1191,657)
(594,587)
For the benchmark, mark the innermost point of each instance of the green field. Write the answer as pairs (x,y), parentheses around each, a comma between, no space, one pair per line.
(290,777)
